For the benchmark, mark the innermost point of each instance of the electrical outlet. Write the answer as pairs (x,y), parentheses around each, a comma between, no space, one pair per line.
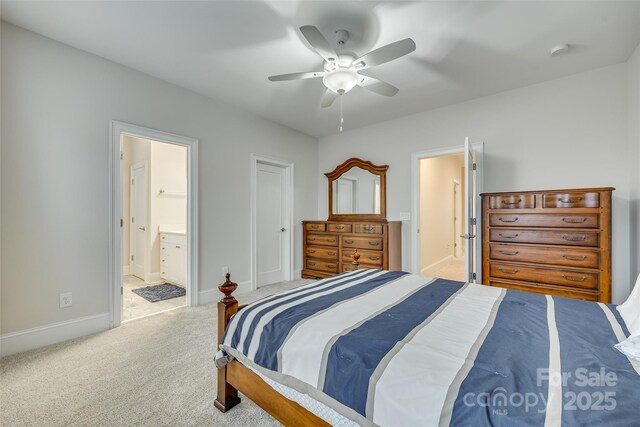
(225,270)
(66,300)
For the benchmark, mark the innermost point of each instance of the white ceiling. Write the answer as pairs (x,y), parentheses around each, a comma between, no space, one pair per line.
(226,49)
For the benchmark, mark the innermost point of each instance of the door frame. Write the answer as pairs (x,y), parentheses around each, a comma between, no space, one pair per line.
(116,129)
(132,233)
(288,174)
(415,200)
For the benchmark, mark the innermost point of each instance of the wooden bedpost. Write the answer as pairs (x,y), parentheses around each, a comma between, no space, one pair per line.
(227,307)
(356,257)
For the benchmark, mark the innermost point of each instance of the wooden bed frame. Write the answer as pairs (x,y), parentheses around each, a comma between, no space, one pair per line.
(235,377)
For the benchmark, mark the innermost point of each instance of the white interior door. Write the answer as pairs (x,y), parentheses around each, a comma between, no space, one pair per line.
(346,196)
(469,211)
(271,224)
(138,219)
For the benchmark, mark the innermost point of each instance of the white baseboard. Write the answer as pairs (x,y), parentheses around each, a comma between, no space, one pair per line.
(126,270)
(209,296)
(430,269)
(28,339)
(297,274)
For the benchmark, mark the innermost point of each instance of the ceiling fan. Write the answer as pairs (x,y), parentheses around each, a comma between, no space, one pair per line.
(341,70)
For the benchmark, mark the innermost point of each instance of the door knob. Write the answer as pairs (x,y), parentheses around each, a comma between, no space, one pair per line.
(283,229)
(142,228)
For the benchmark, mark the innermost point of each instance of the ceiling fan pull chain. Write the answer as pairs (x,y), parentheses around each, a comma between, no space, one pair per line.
(341,114)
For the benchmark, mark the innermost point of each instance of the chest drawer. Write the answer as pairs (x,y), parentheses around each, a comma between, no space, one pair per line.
(340,228)
(544,220)
(349,266)
(322,239)
(551,237)
(553,276)
(571,200)
(322,253)
(542,289)
(513,201)
(544,255)
(330,267)
(362,242)
(315,227)
(366,257)
(367,228)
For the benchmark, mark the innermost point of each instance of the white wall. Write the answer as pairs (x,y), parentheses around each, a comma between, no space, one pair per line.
(633,81)
(565,133)
(57,103)
(437,213)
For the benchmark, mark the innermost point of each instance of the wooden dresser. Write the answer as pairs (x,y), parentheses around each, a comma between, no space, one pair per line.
(329,245)
(554,242)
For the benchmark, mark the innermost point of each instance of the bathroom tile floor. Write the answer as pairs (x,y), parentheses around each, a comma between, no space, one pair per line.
(134,306)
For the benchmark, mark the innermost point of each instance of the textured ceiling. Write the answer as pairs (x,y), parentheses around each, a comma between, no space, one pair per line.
(226,50)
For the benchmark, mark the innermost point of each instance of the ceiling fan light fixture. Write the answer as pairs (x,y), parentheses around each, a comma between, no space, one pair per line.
(340,81)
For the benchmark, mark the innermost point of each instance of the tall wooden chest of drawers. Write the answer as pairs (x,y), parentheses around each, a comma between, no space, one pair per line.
(554,242)
(328,246)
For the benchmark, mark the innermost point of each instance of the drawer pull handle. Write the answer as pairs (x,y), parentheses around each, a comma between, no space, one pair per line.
(331,241)
(574,258)
(339,227)
(370,228)
(348,242)
(510,253)
(315,227)
(311,251)
(574,279)
(506,220)
(374,243)
(177,247)
(374,258)
(311,263)
(504,202)
(577,199)
(574,220)
(574,238)
(312,239)
(509,236)
(331,253)
(507,271)
(331,265)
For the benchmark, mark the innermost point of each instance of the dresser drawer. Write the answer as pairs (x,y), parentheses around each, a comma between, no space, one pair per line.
(367,228)
(546,255)
(322,253)
(552,237)
(349,266)
(315,227)
(362,242)
(571,200)
(366,257)
(544,220)
(515,201)
(340,228)
(548,290)
(553,276)
(322,239)
(331,267)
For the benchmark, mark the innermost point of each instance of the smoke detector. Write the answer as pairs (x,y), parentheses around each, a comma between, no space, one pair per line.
(560,49)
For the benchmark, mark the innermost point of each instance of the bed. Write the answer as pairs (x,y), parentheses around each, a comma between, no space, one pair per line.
(388,348)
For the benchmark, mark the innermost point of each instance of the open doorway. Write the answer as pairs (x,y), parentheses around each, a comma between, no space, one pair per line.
(442,194)
(445,240)
(154,228)
(153,222)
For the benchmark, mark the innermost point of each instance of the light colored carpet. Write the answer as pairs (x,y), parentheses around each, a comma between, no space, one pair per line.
(156,371)
(453,270)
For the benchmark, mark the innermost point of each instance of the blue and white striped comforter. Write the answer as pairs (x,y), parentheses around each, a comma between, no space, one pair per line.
(395,349)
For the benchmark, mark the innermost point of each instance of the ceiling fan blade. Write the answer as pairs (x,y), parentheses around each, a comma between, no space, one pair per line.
(385,54)
(328,98)
(377,86)
(319,42)
(296,76)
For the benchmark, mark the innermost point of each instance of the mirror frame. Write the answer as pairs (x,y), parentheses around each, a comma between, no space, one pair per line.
(370,167)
